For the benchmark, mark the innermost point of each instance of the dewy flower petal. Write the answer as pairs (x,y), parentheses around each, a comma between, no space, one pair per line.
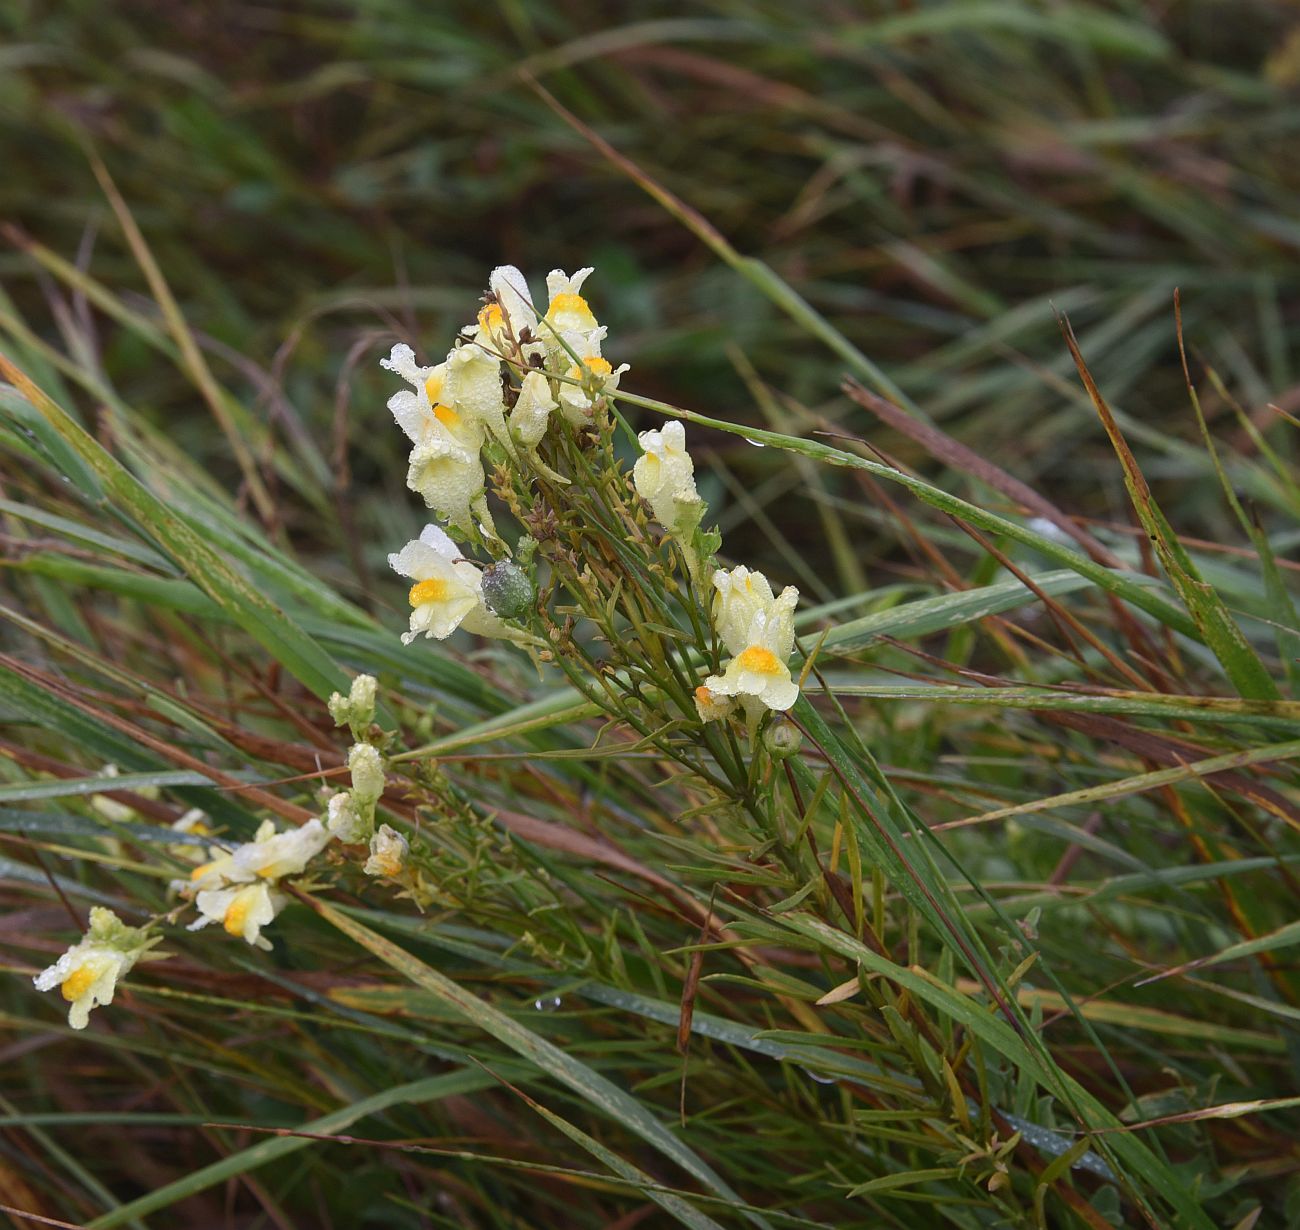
(568,312)
(532,412)
(450,479)
(664,478)
(741,594)
(87,974)
(472,388)
(515,299)
(388,851)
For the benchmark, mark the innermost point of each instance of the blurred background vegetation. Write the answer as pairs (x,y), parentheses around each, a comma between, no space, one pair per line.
(938,181)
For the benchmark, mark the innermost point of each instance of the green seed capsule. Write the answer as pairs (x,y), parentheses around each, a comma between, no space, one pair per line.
(507,590)
(782,738)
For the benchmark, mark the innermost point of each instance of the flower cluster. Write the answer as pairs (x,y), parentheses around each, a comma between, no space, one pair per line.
(88,972)
(463,410)
(460,410)
(756,626)
(240,889)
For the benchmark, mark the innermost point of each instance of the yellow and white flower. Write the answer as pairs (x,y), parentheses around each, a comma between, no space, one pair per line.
(508,320)
(242,910)
(447,593)
(759,674)
(472,387)
(569,322)
(88,973)
(664,476)
(271,855)
(596,377)
(758,629)
(422,411)
(388,851)
(449,477)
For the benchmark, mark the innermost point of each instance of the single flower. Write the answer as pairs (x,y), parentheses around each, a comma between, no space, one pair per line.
(88,973)
(422,411)
(759,673)
(532,410)
(664,476)
(271,855)
(243,910)
(388,851)
(569,319)
(594,377)
(450,479)
(447,593)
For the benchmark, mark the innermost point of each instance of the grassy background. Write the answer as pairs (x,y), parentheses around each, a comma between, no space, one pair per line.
(935,180)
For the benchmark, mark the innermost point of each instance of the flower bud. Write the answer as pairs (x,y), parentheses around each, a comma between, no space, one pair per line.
(507,590)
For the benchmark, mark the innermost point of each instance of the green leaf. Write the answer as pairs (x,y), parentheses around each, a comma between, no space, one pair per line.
(593,1088)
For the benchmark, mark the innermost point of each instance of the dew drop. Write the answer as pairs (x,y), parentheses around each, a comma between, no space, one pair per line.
(548,1003)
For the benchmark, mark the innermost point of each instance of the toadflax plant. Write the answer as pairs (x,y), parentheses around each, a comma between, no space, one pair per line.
(869,1009)
(607,576)
(611,580)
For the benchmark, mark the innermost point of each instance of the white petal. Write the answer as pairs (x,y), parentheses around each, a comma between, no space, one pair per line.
(436,537)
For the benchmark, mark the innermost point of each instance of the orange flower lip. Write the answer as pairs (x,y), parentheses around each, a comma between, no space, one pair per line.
(759,660)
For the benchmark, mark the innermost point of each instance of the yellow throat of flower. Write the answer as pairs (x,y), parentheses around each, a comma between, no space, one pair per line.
(446,415)
(77,983)
(433,387)
(570,311)
(761,661)
(237,914)
(433,590)
(491,318)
